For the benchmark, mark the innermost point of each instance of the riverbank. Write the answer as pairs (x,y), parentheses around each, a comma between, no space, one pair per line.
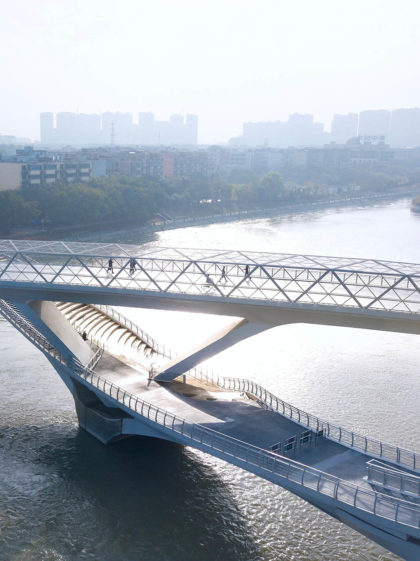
(120,229)
(184,222)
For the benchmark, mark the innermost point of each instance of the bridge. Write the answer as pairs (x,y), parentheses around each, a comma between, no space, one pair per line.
(125,383)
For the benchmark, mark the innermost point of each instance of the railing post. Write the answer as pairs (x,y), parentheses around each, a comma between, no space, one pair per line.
(355,497)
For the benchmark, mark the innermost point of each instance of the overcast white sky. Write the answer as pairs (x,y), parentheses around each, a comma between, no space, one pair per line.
(228,61)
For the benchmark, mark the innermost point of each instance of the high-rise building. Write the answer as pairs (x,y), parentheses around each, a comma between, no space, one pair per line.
(374,123)
(344,127)
(299,130)
(47,127)
(405,128)
(88,128)
(118,129)
(66,128)
(191,129)
(147,129)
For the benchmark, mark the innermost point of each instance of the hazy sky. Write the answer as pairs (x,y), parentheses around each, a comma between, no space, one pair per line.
(228,61)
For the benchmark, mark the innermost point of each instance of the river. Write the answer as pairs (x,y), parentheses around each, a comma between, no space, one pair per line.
(66,497)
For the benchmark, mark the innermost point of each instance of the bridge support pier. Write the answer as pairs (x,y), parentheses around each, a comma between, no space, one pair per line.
(223,339)
(106,423)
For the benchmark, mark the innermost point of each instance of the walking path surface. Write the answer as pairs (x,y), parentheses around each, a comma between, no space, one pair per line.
(234,414)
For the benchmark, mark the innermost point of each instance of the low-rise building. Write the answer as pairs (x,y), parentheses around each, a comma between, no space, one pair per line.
(10,176)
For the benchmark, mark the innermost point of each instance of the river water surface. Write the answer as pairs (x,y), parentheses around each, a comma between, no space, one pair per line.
(66,497)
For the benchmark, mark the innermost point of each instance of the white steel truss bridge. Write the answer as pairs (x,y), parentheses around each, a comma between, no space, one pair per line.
(364,284)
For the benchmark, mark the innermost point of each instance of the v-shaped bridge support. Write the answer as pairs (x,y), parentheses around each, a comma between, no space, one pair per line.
(223,339)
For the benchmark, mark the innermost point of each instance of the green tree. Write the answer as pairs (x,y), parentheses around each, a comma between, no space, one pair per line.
(271,186)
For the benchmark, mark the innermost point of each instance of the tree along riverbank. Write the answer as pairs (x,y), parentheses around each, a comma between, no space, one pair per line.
(116,234)
(115,204)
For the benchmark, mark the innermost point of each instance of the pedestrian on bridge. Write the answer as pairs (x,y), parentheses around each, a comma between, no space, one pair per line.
(132,266)
(110,266)
(223,275)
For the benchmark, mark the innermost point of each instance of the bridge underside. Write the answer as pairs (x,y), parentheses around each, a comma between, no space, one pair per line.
(250,317)
(265,312)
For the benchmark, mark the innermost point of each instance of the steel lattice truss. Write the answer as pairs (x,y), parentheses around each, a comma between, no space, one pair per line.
(294,279)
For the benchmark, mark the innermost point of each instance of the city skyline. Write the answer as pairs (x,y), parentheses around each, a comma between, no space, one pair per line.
(117,128)
(228,65)
(398,128)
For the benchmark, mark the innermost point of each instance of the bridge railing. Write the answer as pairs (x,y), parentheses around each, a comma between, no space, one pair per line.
(367,445)
(364,444)
(98,352)
(126,322)
(246,454)
(384,476)
(12,314)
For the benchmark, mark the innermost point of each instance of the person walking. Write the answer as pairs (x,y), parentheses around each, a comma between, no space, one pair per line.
(223,275)
(132,266)
(110,269)
(246,271)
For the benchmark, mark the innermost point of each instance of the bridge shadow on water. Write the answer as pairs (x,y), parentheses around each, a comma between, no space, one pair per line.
(139,499)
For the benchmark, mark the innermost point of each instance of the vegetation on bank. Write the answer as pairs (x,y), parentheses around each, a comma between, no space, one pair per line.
(137,200)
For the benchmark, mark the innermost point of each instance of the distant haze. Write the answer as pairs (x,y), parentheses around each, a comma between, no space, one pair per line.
(227,61)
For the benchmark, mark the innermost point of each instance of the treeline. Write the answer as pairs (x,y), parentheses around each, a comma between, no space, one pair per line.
(136,200)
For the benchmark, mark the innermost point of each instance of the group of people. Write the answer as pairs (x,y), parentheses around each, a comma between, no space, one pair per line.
(110,268)
(223,276)
(209,280)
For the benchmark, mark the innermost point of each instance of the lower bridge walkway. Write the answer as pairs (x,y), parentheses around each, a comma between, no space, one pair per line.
(240,415)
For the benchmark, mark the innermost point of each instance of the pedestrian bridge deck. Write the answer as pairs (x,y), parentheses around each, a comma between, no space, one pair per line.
(362,284)
(236,415)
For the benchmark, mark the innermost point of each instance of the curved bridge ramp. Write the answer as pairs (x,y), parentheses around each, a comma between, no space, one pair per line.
(107,327)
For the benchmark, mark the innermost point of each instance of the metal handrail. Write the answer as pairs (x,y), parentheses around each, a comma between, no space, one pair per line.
(395,480)
(126,322)
(96,357)
(24,326)
(350,439)
(227,447)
